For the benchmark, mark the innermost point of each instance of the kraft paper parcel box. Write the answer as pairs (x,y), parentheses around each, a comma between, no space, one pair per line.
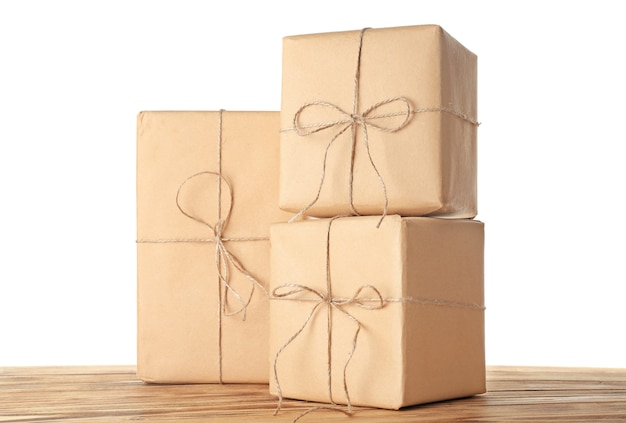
(404,302)
(408,97)
(191,325)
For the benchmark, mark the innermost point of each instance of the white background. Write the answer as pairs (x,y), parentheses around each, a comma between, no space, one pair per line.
(74,75)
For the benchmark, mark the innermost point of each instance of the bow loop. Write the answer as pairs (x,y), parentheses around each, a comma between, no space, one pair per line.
(293,290)
(369,303)
(222,221)
(390,115)
(327,111)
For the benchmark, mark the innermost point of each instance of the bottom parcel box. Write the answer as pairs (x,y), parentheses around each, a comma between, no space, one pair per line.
(384,317)
(188,326)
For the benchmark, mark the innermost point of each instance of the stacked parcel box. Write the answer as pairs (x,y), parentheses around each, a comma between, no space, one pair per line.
(372,293)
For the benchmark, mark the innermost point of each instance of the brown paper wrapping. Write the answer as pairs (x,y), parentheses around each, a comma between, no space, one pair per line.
(178,285)
(426,343)
(428,166)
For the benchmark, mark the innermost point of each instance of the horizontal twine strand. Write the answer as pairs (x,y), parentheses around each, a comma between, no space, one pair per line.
(423,301)
(197,240)
(450,110)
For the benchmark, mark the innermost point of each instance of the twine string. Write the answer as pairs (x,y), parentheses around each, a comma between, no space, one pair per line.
(358,120)
(365,120)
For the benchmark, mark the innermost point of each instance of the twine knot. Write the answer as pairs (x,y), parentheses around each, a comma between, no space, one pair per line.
(218,232)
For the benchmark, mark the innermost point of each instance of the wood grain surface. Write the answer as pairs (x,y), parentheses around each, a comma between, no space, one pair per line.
(114,394)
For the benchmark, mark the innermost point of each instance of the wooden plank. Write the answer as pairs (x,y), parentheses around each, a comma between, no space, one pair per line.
(113,393)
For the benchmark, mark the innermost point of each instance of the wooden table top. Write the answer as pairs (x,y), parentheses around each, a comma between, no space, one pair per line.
(114,394)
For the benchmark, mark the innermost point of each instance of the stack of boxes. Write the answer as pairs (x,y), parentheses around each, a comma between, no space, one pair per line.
(372,293)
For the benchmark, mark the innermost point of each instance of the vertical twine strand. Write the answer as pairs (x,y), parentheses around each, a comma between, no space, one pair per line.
(218,260)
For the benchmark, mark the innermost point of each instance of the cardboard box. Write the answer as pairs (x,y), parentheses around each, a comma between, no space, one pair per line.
(182,334)
(424,342)
(416,73)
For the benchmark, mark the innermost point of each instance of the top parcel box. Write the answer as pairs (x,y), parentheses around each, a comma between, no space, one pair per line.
(378,121)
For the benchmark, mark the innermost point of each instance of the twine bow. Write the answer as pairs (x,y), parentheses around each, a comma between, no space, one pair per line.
(292,291)
(364,120)
(223,257)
